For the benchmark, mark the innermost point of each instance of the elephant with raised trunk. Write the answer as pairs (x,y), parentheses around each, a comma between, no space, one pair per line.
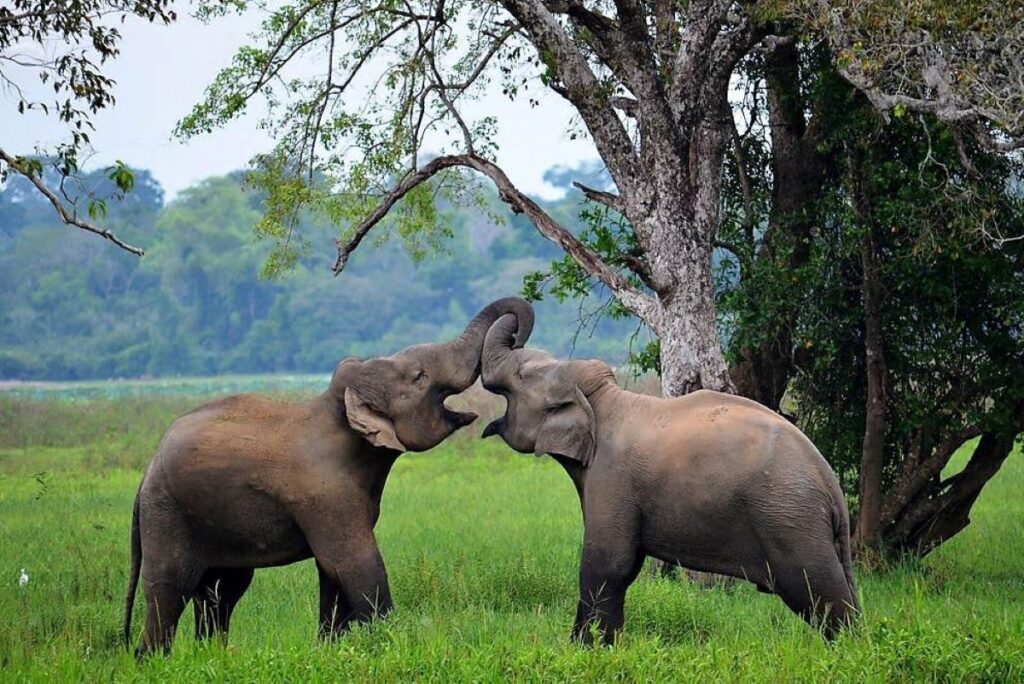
(249,482)
(710,481)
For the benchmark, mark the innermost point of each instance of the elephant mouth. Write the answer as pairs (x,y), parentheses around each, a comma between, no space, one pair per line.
(459,419)
(495,427)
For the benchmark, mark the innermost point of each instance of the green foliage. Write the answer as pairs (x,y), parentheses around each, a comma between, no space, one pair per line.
(953,324)
(482,547)
(391,94)
(953,320)
(196,304)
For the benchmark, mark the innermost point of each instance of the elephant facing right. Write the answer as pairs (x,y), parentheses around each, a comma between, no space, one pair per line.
(710,481)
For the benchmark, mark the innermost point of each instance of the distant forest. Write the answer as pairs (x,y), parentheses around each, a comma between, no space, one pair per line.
(74,307)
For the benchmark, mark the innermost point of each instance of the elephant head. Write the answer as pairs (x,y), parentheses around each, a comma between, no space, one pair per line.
(397,401)
(548,410)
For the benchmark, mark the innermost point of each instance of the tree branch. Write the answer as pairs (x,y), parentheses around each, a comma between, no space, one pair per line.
(691,66)
(69,218)
(909,485)
(641,304)
(581,88)
(627,105)
(740,157)
(608,199)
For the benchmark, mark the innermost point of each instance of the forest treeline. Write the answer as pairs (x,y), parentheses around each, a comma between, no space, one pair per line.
(196,304)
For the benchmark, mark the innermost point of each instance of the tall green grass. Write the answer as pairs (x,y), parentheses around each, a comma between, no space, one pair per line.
(482,548)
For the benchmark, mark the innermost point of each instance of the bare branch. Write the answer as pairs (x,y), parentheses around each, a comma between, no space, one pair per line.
(640,303)
(746,191)
(608,199)
(69,218)
(722,244)
(442,92)
(327,88)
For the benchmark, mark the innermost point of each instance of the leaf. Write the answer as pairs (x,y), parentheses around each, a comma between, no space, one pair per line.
(97,209)
(122,176)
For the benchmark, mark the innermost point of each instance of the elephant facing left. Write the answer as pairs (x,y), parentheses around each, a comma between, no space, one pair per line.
(249,482)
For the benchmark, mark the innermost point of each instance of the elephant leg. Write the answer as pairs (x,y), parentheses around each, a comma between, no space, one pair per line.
(167,588)
(818,592)
(333,607)
(660,568)
(214,600)
(353,585)
(606,571)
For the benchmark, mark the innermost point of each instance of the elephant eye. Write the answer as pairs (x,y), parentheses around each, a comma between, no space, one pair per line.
(419,375)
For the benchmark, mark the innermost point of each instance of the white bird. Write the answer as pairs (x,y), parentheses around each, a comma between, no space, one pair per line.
(23,580)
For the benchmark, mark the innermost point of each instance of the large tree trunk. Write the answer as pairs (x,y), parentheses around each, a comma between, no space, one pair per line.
(676,215)
(869,509)
(691,353)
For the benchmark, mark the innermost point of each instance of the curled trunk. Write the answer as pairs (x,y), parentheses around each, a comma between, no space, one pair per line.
(465,350)
(502,337)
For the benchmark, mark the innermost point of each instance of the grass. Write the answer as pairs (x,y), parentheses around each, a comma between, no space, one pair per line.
(481,546)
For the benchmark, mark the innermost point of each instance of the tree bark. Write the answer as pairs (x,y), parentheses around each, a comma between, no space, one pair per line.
(691,354)
(868,523)
(679,240)
(945,508)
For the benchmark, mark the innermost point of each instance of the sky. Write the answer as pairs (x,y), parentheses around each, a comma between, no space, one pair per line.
(162,72)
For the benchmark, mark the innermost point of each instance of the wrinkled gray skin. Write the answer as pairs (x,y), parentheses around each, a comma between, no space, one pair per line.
(248,482)
(714,482)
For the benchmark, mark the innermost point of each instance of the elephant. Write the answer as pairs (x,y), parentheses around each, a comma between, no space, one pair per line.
(711,481)
(248,482)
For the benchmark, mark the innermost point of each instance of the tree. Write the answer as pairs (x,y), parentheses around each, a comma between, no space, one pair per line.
(873,276)
(940,362)
(63,45)
(907,336)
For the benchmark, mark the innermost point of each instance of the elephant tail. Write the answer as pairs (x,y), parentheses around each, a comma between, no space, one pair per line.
(841,530)
(133,578)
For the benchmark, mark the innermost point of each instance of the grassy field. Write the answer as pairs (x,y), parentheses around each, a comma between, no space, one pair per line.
(481,546)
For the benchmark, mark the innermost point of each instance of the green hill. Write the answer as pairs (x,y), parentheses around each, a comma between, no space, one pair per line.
(74,307)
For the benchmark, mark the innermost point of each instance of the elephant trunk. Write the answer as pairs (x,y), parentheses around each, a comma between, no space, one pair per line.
(465,350)
(500,340)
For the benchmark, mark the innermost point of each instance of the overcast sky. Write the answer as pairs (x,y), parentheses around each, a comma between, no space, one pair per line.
(162,71)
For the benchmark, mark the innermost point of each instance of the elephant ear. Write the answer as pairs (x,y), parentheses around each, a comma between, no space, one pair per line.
(375,427)
(569,430)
